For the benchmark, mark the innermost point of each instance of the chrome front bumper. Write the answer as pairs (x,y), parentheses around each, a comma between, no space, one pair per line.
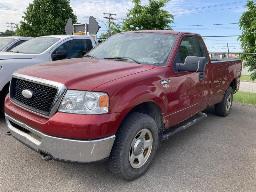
(58,148)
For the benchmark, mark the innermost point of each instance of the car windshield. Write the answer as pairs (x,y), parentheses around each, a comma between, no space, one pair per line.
(35,46)
(145,48)
(4,42)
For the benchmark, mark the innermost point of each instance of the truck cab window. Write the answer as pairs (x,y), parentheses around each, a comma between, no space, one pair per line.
(190,46)
(203,49)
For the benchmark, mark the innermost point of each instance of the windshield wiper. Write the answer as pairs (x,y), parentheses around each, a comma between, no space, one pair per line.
(123,59)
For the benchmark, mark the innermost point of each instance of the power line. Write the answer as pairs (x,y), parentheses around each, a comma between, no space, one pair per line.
(217,7)
(220,36)
(201,25)
(204,29)
(209,5)
(11,26)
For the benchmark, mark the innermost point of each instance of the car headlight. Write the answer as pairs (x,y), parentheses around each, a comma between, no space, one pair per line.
(84,102)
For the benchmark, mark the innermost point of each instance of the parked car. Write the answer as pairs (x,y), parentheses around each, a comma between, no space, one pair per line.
(128,94)
(8,43)
(40,50)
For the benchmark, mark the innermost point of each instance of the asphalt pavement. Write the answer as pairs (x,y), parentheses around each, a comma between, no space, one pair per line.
(217,154)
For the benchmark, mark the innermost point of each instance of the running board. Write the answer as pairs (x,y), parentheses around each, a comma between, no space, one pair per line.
(183,126)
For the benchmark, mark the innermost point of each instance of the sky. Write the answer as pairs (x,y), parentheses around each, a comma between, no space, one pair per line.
(206,17)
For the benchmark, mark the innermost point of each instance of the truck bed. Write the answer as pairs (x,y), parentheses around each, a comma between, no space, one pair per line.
(216,61)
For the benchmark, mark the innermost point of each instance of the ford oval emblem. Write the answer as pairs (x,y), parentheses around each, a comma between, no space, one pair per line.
(27,94)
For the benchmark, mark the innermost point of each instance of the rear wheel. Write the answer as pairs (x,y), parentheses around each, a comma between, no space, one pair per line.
(135,146)
(224,108)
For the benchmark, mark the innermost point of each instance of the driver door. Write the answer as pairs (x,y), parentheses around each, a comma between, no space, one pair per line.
(187,94)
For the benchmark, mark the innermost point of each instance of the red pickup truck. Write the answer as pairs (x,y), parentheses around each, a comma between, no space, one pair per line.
(121,100)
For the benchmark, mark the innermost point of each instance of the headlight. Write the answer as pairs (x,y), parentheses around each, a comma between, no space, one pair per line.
(84,102)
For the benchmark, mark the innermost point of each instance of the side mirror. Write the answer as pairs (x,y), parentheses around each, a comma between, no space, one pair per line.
(193,64)
(59,55)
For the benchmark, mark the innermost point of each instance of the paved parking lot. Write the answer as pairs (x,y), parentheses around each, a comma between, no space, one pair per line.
(218,154)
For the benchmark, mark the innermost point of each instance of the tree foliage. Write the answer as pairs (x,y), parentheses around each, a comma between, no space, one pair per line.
(114,29)
(7,33)
(148,17)
(46,17)
(248,37)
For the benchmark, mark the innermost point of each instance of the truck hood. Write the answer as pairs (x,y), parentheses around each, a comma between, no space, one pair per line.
(85,73)
(10,55)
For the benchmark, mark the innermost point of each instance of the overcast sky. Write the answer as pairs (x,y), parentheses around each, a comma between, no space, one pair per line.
(201,16)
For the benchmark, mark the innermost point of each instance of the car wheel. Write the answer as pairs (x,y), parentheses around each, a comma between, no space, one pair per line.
(224,108)
(2,99)
(135,146)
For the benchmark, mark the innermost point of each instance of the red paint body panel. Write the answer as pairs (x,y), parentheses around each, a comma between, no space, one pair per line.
(71,126)
(128,85)
(85,73)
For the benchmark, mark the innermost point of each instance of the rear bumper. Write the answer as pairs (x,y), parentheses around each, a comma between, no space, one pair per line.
(58,148)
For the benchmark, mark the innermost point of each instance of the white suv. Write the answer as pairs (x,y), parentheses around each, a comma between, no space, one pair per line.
(40,50)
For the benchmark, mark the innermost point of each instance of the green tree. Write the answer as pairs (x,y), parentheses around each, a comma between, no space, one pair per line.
(7,33)
(114,29)
(248,37)
(148,17)
(46,17)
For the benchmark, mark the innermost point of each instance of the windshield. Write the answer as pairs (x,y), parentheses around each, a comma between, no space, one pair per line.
(4,42)
(145,48)
(35,46)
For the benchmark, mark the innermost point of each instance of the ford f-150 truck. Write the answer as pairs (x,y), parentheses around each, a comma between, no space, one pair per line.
(121,100)
(40,50)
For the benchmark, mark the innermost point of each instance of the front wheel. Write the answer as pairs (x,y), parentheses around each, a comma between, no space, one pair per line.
(135,146)
(3,94)
(224,108)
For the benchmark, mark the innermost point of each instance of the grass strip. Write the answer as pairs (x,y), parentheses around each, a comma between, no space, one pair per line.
(246,78)
(245,98)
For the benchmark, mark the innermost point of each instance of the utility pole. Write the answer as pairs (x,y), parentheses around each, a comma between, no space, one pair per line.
(228,49)
(110,18)
(11,26)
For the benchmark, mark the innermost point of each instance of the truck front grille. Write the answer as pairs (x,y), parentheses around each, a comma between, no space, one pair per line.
(43,96)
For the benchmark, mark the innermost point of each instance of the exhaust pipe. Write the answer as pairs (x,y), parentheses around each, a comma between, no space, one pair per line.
(46,157)
(8,133)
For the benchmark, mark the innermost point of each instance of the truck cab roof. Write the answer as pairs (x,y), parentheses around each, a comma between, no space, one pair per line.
(164,32)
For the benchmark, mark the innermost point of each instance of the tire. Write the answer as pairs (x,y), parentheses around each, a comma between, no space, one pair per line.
(3,94)
(223,108)
(129,145)
(2,105)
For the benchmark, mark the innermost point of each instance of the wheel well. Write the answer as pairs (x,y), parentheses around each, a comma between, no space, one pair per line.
(152,110)
(233,85)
